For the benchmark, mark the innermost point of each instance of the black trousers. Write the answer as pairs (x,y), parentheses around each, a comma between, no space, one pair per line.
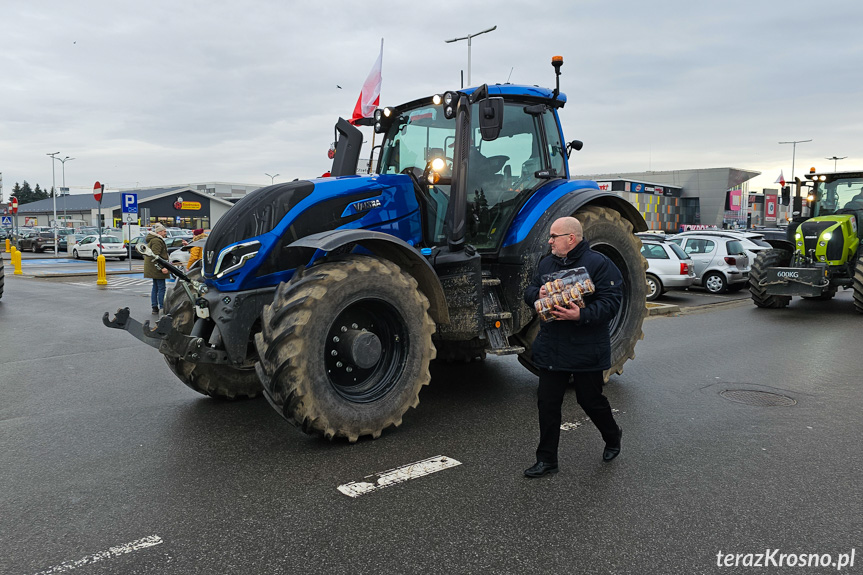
(588,393)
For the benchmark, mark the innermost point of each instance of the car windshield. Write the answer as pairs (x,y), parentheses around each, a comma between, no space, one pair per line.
(679,251)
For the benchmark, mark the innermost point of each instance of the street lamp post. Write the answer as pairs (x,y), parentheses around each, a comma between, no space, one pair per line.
(54,197)
(835,159)
(272,178)
(63,161)
(468,38)
(794,153)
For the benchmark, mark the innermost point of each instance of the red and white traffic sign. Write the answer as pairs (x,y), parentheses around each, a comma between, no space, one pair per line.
(13,203)
(98,189)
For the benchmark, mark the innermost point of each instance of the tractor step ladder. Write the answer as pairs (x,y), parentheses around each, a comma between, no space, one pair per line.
(498,322)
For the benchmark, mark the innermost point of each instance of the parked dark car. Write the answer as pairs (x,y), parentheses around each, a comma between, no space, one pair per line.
(36,241)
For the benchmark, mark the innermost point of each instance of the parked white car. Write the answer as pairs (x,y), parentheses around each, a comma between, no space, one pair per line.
(668,266)
(91,247)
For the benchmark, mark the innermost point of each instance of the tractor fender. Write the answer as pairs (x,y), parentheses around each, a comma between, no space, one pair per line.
(529,231)
(781,245)
(389,248)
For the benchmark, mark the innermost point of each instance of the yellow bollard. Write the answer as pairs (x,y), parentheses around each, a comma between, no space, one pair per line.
(16,261)
(100,266)
(8,243)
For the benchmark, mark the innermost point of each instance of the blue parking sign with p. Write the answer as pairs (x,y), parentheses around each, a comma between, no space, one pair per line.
(130,203)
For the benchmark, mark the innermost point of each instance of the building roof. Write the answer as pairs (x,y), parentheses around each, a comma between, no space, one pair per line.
(110,200)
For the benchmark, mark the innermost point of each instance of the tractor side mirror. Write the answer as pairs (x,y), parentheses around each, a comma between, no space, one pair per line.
(490,118)
(575,145)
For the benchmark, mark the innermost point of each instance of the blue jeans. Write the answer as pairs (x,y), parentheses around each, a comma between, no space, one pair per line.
(157,294)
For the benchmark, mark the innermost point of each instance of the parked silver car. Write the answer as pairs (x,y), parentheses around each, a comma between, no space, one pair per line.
(668,266)
(752,242)
(721,263)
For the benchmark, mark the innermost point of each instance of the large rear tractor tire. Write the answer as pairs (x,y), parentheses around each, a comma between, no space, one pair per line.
(612,236)
(765,260)
(216,380)
(345,348)
(857,283)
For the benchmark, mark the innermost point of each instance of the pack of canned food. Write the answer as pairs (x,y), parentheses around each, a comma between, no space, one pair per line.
(565,288)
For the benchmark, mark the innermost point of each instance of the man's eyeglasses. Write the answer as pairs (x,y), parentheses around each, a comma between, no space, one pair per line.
(555,236)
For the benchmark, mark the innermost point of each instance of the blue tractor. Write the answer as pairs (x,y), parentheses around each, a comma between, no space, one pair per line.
(332,296)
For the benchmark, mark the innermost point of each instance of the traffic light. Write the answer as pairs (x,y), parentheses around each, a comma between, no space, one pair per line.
(785,198)
(102,220)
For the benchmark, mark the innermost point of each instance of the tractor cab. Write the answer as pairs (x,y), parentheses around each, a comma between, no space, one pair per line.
(510,145)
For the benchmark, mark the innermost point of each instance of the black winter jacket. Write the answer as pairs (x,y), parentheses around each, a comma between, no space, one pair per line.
(583,345)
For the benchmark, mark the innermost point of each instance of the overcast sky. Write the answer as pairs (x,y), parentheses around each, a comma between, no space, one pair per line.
(154,93)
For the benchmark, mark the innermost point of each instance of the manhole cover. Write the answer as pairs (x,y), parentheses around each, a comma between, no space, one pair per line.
(759,398)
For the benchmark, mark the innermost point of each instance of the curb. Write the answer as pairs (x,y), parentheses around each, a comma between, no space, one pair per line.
(661,309)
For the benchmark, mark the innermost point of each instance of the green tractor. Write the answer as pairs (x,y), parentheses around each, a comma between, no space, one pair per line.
(821,252)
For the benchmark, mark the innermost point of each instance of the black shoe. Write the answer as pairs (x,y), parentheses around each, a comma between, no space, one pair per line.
(155,310)
(610,453)
(541,468)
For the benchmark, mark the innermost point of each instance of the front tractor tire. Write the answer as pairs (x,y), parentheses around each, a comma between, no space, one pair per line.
(857,284)
(345,347)
(765,260)
(215,380)
(612,236)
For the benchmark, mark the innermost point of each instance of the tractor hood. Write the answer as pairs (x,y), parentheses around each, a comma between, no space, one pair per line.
(254,233)
(832,239)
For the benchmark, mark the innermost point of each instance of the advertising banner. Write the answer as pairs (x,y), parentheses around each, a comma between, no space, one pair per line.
(769,208)
(735,199)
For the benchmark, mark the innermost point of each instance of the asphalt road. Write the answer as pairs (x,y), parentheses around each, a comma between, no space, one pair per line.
(111,465)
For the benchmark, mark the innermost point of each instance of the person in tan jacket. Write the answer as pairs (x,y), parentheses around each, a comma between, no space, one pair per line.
(156,241)
(196,252)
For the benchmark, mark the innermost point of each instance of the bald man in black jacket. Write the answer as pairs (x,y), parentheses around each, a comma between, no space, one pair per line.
(577,344)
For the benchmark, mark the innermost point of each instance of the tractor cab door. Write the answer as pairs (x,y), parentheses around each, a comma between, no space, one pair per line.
(504,172)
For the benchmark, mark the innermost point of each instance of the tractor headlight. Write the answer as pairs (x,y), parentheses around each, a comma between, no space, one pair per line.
(450,99)
(234,257)
(438,164)
(827,237)
(379,114)
(437,99)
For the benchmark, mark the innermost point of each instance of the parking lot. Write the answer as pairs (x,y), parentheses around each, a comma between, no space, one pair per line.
(111,465)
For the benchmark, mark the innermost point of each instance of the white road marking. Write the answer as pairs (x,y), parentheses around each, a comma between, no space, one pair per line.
(102,555)
(398,475)
(569,426)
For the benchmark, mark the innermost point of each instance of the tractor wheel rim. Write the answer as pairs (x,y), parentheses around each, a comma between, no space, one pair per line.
(366,333)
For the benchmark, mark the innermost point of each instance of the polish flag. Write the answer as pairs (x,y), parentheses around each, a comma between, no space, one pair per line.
(370,95)
(781,179)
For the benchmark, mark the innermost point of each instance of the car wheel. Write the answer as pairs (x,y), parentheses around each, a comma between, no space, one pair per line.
(75,254)
(122,258)
(715,283)
(654,287)
(33,249)
(95,255)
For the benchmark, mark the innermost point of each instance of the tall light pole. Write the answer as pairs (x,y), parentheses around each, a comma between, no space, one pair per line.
(468,38)
(794,153)
(54,197)
(63,161)
(272,178)
(835,159)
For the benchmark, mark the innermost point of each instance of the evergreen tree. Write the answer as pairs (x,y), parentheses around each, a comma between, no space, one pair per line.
(25,194)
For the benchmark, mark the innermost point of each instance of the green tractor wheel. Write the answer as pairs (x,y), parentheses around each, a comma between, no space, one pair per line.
(217,381)
(765,260)
(858,285)
(345,347)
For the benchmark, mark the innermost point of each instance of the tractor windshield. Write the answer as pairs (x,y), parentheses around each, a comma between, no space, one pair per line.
(842,193)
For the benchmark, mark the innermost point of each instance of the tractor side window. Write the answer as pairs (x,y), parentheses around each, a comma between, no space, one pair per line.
(554,143)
